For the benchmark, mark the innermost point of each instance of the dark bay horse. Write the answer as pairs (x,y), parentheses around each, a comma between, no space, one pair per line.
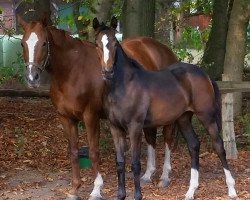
(76,85)
(153,56)
(135,98)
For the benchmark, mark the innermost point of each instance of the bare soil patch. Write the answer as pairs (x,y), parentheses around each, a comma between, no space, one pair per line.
(34,162)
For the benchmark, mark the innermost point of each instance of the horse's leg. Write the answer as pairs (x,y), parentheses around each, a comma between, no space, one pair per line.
(93,131)
(168,138)
(135,134)
(150,135)
(71,133)
(185,125)
(213,130)
(120,142)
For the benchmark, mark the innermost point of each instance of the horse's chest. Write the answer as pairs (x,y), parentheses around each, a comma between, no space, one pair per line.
(116,109)
(67,104)
(124,109)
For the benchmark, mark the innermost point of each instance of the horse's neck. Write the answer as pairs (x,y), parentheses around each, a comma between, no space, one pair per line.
(60,46)
(123,71)
(56,36)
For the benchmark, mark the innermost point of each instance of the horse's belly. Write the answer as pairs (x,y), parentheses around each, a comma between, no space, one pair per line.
(161,114)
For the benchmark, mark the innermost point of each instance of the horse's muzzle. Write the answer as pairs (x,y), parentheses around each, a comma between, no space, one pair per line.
(108,74)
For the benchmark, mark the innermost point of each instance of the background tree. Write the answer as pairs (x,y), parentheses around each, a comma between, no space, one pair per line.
(213,58)
(103,9)
(138,18)
(236,46)
(33,10)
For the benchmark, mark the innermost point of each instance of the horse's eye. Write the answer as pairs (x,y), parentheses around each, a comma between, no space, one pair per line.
(44,44)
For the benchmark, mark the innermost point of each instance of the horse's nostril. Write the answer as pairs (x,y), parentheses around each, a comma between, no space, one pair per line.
(36,77)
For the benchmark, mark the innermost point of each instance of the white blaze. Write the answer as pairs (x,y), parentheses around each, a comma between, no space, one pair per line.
(105,49)
(31,42)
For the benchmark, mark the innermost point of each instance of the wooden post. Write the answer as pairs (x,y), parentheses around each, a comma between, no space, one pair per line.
(228,124)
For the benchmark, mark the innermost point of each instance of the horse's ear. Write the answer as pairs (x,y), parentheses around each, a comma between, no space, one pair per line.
(95,23)
(21,21)
(113,22)
(45,19)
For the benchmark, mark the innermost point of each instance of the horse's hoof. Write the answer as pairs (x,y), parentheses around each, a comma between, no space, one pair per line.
(145,181)
(95,198)
(163,183)
(73,197)
(189,196)
(232,194)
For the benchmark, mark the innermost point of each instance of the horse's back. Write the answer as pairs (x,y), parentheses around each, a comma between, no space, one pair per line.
(150,53)
(196,83)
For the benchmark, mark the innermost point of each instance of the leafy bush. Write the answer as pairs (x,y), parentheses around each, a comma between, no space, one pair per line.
(14,72)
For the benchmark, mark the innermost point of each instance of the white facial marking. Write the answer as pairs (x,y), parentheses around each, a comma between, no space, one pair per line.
(150,164)
(105,49)
(96,192)
(194,183)
(31,42)
(230,184)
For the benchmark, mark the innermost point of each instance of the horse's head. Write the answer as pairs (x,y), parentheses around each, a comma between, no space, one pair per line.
(36,51)
(106,43)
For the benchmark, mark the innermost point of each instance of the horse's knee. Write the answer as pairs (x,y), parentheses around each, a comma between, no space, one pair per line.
(194,146)
(136,167)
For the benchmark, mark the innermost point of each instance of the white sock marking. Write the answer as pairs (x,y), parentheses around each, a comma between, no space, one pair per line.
(96,192)
(194,183)
(105,49)
(150,164)
(230,184)
(167,165)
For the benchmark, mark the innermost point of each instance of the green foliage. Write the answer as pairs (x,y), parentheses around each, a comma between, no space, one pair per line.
(192,38)
(245,120)
(117,8)
(191,6)
(13,72)
(248,39)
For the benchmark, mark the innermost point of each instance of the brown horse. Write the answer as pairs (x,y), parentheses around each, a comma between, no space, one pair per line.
(136,98)
(76,85)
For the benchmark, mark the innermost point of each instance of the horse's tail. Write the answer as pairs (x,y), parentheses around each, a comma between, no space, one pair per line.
(218,115)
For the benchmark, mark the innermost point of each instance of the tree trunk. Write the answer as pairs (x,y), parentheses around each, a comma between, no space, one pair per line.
(103,8)
(131,18)
(236,46)
(213,58)
(147,24)
(138,18)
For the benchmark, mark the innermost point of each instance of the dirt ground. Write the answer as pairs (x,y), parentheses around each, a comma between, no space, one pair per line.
(34,163)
